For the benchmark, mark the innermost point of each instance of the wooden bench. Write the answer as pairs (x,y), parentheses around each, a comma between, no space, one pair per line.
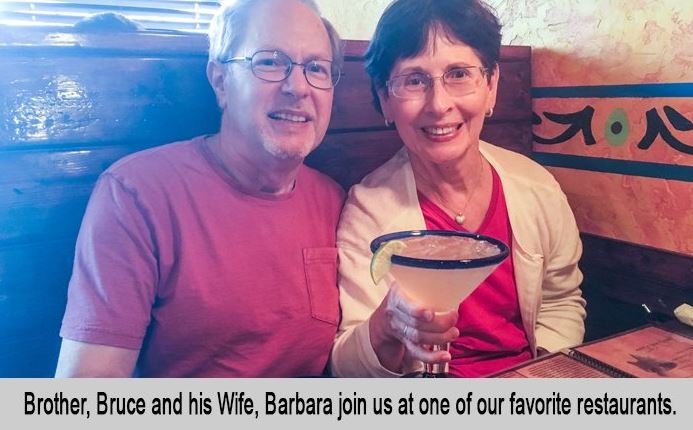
(72,103)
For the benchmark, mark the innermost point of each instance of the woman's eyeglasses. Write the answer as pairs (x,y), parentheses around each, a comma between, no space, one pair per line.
(459,81)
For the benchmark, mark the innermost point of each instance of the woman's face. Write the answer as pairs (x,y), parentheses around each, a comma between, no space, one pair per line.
(440,127)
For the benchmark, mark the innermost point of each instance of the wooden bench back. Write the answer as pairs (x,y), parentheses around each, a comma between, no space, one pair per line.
(73,103)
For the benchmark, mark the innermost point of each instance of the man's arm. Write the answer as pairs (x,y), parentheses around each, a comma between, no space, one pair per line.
(88,360)
(114,249)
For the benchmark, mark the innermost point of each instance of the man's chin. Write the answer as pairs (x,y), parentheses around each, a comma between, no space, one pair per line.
(288,151)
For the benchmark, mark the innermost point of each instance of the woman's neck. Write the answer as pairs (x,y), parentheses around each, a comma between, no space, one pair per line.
(460,175)
(462,188)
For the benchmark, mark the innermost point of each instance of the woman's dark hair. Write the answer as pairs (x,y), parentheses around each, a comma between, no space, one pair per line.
(406,26)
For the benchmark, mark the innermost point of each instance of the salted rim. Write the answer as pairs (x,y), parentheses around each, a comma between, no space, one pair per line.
(442,264)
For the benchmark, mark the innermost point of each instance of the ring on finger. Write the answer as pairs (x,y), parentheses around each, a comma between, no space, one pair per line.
(404,332)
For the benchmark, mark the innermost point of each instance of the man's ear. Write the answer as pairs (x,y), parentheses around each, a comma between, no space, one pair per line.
(216,73)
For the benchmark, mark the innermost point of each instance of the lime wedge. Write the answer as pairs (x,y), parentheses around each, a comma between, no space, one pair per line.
(381,261)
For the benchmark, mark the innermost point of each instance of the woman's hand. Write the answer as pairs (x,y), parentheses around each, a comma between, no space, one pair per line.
(400,325)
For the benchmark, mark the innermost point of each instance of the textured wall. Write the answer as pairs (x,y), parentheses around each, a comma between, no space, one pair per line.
(628,69)
(613,101)
(618,41)
(353,19)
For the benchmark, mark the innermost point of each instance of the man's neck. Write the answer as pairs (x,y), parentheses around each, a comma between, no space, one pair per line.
(268,174)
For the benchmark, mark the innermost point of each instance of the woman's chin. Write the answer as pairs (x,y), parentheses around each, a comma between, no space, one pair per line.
(440,153)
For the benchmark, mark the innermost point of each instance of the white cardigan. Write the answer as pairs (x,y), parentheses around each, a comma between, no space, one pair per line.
(546,248)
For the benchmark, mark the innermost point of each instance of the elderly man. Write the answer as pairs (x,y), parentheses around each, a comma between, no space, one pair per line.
(216,256)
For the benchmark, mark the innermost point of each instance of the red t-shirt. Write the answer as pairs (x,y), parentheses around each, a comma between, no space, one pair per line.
(208,281)
(491,333)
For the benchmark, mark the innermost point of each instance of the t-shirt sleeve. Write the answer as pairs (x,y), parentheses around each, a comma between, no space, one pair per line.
(115,274)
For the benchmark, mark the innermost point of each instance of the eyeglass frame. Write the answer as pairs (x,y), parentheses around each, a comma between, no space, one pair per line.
(334,81)
(485,72)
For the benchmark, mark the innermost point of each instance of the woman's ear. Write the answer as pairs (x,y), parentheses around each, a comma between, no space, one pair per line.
(493,88)
(215,76)
(384,100)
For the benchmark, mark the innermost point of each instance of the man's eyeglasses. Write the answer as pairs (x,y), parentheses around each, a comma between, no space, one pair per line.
(459,81)
(275,66)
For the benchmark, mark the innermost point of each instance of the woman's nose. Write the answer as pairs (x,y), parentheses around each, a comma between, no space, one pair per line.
(438,98)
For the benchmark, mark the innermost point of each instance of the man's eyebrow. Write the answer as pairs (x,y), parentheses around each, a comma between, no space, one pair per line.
(312,57)
(309,57)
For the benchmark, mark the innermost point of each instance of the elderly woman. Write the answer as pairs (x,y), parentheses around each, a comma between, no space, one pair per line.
(434,71)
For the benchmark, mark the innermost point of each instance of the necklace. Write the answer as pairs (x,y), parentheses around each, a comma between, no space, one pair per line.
(459,216)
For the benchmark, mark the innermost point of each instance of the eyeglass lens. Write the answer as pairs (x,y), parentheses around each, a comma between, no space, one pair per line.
(276,66)
(458,82)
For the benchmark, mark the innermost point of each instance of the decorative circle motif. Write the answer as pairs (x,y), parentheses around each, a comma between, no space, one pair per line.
(617,128)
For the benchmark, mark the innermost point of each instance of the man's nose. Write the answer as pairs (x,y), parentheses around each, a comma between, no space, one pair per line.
(296,83)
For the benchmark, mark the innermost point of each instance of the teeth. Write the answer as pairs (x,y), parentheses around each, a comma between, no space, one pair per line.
(288,117)
(439,131)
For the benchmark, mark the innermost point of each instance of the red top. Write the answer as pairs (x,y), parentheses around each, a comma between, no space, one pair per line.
(491,333)
(206,280)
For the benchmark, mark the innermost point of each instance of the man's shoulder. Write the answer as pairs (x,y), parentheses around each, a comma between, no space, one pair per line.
(164,162)
(315,179)
(152,160)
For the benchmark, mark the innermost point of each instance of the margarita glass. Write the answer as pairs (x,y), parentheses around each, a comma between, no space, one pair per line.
(440,268)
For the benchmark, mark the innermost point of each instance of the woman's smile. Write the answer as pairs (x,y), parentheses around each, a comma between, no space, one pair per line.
(442,133)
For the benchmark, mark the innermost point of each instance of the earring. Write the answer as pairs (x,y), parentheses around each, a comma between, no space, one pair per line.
(387,123)
(489,113)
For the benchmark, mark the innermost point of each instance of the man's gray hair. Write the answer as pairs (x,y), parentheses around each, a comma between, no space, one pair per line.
(229,25)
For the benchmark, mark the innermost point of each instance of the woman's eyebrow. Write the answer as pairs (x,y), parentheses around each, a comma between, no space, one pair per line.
(418,69)
(408,70)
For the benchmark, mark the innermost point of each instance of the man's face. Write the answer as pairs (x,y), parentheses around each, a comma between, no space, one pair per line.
(285,120)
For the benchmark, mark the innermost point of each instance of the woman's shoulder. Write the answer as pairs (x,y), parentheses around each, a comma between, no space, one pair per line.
(385,197)
(389,179)
(382,176)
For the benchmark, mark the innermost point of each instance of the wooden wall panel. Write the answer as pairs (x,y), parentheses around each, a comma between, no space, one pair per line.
(621,277)
(72,101)
(33,286)
(34,212)
(353,103)
(358,141)
(71,104)
(511,135)
(348,157)
(353,106)
(660,279)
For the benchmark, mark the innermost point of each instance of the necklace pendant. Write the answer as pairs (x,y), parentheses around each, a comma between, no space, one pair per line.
(459,219)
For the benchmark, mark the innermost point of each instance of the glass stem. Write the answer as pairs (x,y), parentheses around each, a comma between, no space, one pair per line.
(435,369)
